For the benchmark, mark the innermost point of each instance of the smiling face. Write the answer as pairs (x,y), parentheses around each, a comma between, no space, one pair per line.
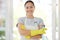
(29,8)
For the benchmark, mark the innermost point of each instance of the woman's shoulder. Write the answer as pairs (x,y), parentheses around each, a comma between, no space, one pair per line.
(38,18)
(22,18)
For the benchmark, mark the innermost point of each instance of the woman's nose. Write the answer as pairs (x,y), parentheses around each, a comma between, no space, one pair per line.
(29,9)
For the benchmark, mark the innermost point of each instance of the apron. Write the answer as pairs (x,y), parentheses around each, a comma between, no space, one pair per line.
(30,27)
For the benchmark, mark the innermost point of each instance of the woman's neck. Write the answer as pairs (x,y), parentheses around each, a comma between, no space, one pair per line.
(30,16)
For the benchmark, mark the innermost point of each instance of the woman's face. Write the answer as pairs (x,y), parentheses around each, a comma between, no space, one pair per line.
(29,7)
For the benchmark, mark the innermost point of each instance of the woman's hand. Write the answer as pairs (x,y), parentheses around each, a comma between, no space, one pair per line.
(25,32)
(37,36)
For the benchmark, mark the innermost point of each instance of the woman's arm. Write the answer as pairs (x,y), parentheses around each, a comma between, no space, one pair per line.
(23,32)
(39,35)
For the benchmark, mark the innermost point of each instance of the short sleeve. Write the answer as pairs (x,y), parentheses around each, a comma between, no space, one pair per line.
(41,22)
(21,20)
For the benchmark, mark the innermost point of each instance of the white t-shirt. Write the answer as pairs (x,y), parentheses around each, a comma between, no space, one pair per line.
(31,22)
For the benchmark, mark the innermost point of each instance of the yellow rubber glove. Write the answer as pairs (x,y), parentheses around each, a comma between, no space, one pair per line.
(23,28)
(35,32)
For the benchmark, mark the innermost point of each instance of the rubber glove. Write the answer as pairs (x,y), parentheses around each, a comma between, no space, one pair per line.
(23,28)
(35,32)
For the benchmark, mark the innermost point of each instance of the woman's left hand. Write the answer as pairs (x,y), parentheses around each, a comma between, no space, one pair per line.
(37,36)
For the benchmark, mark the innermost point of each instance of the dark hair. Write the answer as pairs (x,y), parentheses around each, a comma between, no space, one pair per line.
(29,1)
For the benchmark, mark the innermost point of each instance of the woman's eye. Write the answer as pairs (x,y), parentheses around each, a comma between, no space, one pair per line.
(26,7)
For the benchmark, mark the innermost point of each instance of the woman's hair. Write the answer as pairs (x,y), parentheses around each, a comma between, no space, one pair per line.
(29,1)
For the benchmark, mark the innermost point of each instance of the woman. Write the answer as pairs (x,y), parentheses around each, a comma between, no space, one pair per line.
(30,22)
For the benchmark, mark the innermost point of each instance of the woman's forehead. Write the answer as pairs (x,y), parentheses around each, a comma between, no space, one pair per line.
(29,4)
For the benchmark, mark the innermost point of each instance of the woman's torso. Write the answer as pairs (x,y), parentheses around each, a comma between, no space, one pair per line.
(30,24)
